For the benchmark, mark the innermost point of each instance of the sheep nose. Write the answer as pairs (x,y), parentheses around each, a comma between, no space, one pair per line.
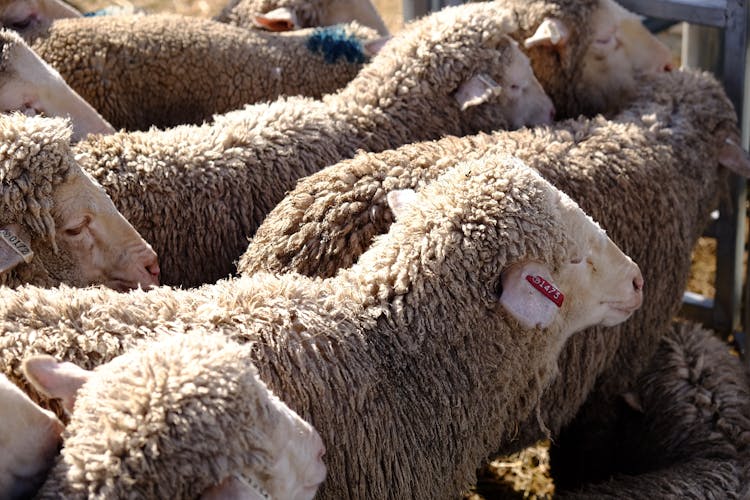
(552,113)
(151,264)
(638,281)
(668,67)
(153,269)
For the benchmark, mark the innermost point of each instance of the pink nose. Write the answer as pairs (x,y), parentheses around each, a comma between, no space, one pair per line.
(151,264)
(638,281)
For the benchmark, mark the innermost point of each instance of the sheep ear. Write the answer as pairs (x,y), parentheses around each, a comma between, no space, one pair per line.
(551,33)
(529,295)
(476,90)
(400,200)
(374,46)
(55,379)
(733,157)
(14,249)
(234,488)
(633,401)
(281,19)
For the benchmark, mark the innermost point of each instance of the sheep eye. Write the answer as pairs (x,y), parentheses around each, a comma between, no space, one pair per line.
(75,231)
(576,260)
(22,24)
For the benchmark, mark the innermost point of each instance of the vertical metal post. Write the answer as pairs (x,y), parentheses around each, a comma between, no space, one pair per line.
(415,8)
(724,53)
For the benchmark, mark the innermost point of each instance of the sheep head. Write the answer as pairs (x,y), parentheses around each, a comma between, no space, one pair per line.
(55,210)
(31,17)
(217,427)
(539,257)
(30,85)
(587,54)
(460,63)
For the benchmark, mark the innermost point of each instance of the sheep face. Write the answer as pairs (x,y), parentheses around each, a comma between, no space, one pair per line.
(95,244)
(596,284)
(30,85)
(621,48)
(29,440)
(518,94)
(31,17)
(296,451)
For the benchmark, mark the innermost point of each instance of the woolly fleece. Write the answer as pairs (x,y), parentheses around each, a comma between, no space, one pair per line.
(149,423)
(35,157)
(362,356)
(692,438)
(197,193)
(650,177)
(164,70)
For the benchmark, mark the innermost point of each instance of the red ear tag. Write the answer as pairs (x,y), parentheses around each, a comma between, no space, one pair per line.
(547,289)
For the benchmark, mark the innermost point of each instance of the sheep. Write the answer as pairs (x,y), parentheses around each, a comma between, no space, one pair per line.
(32,86)
(650,176)
(275,15)
(29,439)
(587,54)
(686,432)
(362,356)
(196,193)
(56,223)
(30,17)
(207,390)
(165,70)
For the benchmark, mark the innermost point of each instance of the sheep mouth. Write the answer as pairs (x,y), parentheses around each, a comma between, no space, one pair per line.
(121,285)
(125,285)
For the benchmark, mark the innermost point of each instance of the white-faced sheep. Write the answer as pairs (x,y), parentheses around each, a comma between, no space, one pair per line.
(285,15)
(685,432)
(586,53)
(362,356)
(30,17)
(204,423)
(29,440)
(56,224)
(196,193)
(166,70)
(32,86)
(651,176)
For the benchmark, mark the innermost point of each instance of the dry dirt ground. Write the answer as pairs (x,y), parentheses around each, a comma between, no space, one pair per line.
(526,474)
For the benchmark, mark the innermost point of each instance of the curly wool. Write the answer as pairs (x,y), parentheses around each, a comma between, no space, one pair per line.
(165,70)
(35,157)
(360,356)
(559,72)
(691,437)
(196,193)
(650,177)
(167,405)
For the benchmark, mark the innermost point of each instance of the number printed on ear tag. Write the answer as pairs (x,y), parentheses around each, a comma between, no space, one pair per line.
(547,289)
(17,245)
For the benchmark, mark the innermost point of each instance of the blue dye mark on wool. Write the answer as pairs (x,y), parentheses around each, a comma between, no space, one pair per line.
(111,10)
(333,42)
